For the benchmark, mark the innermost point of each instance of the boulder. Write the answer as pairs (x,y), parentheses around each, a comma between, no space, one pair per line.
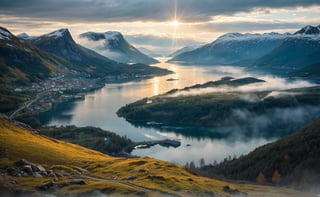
(74,182)
(46,185)
(131,177)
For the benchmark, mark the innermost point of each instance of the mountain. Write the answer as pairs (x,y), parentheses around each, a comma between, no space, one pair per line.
(182,50)
(36,165)
(232,48)
(61,43)
(299,50)
(293,160)
(310,72)
(23,62)
(149,52)
(115,47)
(25,36)
(309,30)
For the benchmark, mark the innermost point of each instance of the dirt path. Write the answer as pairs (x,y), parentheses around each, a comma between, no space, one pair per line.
(161,193)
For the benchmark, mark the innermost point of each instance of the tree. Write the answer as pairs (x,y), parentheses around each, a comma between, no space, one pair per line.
(260,178)
(192,166)
(202,162)
(276,177)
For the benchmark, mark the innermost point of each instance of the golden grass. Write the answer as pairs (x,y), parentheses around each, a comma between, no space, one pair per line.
(40,149)
(63,156)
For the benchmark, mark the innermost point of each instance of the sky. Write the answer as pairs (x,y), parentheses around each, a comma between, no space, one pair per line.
(159,25)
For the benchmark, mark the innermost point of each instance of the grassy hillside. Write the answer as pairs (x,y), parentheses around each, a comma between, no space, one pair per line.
(101,173)
(292,160)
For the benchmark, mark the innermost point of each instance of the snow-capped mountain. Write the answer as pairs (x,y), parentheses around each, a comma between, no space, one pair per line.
(61,43)
(295,52)
(113,45)
(233,48)
(25,36)
(23,62)
(309,30)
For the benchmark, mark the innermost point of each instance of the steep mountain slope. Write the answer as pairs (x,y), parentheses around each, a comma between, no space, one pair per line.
(64,169)
(232,48)
(23,62)
(182,50)
(61,43)
(292,160)
(115,47)
(296,51)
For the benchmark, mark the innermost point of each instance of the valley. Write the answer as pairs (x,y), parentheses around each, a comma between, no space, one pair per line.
(238,105)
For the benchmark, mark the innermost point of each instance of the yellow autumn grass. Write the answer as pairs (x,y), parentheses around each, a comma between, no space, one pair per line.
(152,177)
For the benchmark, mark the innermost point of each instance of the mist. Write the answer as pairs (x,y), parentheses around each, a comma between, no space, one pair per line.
(100,47)
(272,83)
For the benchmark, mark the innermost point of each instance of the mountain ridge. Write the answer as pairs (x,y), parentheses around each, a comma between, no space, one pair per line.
(268,50)
(116,47)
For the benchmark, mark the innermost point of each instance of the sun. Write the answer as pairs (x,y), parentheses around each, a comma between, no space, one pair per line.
(175,23)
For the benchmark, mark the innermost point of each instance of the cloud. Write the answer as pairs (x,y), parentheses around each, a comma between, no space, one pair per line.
(133,10)
(272,83)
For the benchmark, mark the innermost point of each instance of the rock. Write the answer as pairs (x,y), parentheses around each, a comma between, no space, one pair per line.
(131,177)
(27,169)
(13,171)
(39,168)
(142,170)
(74,182)
(23,162)
(152,176)
(37,175)
(53,175)
(46,185)
(234,192)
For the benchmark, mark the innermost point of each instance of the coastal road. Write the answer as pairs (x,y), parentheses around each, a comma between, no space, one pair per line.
(26,105)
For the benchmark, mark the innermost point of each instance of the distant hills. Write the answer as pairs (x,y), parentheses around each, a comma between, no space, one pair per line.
(267,51)
(231,48)
(115,47)
(293,160)
(182,50)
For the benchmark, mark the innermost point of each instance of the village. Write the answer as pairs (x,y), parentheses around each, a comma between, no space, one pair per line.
(57,88)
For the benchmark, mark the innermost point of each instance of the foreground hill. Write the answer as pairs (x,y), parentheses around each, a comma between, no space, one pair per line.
(292,160)
(116,47)
(60,168)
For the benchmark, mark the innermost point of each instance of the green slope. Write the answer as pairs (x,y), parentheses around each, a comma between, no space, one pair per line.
(295,157)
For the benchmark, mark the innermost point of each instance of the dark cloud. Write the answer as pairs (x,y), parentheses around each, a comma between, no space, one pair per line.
(245,26)
(133,10)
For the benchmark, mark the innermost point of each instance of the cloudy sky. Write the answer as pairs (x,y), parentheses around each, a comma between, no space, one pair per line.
(160,25)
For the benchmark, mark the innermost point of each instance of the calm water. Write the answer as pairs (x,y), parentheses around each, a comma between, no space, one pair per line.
(99,109)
